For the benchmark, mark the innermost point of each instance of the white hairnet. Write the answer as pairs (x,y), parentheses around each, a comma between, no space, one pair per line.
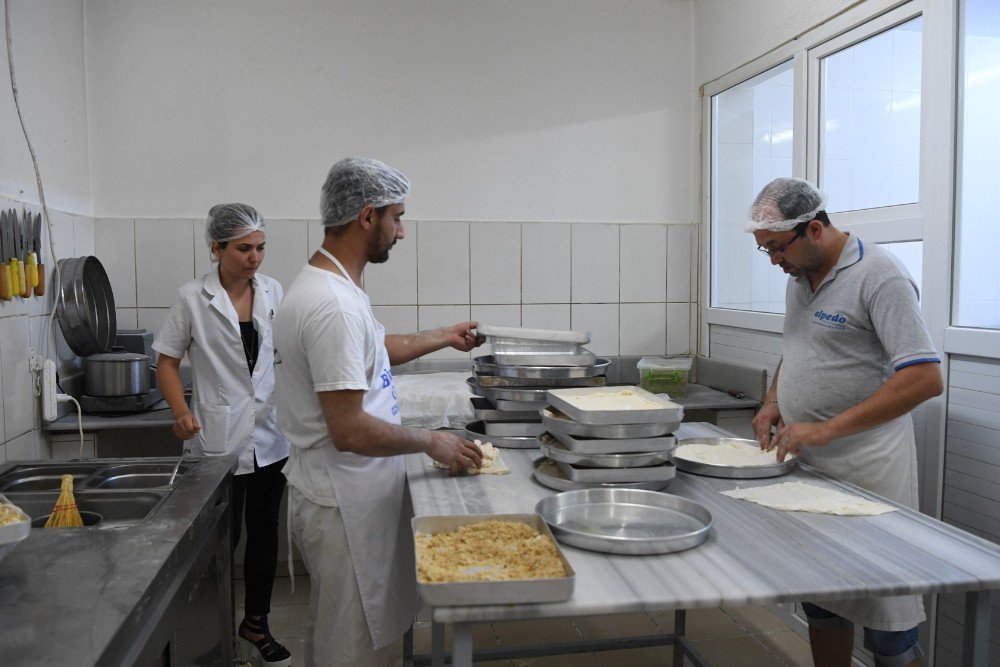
(232,221)
(356,182)
(784,203)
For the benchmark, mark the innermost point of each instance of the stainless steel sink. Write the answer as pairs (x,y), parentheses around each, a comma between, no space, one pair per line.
(113,508)
(45,476)
(137,476)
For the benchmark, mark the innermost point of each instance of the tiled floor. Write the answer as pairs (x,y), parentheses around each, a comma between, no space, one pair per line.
(745,636)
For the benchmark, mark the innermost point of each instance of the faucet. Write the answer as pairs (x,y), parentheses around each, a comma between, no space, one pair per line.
(177,467)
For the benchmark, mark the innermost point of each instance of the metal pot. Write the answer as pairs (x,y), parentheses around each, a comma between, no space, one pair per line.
(116,374)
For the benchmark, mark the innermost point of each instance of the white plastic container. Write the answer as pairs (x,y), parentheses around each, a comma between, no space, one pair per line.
(13,533)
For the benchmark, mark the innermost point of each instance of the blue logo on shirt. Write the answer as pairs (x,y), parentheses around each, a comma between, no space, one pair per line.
(386,378)
(830,320)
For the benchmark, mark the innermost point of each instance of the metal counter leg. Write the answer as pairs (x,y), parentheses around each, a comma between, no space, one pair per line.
(408,647)
(680,617)
(461,645)
(976,642)
(437,644)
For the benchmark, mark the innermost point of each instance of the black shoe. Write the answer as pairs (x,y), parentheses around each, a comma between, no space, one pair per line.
(272,654)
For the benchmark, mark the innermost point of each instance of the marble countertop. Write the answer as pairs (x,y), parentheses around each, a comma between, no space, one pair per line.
(73,596)
(754,555)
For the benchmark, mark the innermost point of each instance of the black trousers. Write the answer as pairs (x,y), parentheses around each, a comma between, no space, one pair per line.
(260,493)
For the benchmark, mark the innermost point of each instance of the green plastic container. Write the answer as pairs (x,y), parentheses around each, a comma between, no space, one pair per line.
(665,375)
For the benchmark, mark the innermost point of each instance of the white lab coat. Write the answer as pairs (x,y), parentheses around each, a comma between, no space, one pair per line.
(236,411)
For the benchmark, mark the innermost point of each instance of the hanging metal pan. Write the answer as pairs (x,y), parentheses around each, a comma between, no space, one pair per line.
(86,308)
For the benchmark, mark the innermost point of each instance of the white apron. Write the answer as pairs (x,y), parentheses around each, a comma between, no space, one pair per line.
(376,511)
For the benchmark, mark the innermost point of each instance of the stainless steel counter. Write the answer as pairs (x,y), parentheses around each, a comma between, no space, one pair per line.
(159,417)
(95,596)
(754,555)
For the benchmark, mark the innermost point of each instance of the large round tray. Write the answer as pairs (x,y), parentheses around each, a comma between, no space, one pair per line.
(549,474)
(85,306)
(487,364)
(487,380)
(557,451)
(731,472)
(533,394)
(625,521)
(557,422)
(509,435)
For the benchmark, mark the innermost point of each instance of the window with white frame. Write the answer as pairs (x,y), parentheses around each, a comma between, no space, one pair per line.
(977,244)
(861,144)
(751,145)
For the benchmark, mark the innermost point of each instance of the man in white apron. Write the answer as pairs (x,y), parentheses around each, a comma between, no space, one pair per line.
(348,508)
(856,359)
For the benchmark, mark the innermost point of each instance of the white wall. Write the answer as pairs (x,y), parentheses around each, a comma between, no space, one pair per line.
(48,38)
(564,110)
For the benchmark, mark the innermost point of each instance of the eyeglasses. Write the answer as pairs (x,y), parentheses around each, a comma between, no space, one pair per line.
(771,252)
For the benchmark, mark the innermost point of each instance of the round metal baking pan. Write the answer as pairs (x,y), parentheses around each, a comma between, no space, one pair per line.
(549,474)
(557,422)
(557,451)
(486,380)
(487,364)
(625,521)
(86,306)
(509,435)
(507,393)
(731,472)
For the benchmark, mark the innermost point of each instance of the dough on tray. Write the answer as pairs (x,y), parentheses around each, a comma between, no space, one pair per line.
(736,454)
(492,465)
(802,497)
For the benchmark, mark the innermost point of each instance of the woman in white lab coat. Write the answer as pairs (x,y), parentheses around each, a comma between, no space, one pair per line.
(223,322)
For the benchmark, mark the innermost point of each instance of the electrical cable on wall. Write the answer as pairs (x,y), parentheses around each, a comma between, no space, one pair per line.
(45,334)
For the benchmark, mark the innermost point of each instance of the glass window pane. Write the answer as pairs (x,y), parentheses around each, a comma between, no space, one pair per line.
(977,271)
(870,121)
(751,145)
(911,253)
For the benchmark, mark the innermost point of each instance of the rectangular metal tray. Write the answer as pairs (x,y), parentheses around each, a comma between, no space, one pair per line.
(658,473)
(557,422)
(487,364)
(583,357)
(484,409)
(666,411)
(548,473)
(527,335)
(664,443)
(510,435)
(524,591)
(497,381)
(532,394)
(557,451)
(519,406)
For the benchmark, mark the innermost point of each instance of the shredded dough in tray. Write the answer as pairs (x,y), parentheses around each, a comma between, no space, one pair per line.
(802,497)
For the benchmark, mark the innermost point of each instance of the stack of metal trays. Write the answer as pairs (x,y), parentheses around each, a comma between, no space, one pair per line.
(608,436)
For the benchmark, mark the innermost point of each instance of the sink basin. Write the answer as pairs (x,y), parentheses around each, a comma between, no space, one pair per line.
(137,476)
(113,507)
(45,477)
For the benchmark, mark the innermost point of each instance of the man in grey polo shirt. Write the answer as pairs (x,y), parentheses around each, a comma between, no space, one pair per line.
(856,359)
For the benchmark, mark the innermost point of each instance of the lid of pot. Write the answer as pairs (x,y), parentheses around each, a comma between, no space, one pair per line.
(118,357)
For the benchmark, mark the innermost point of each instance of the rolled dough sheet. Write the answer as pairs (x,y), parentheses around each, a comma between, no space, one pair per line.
(492,465)
(735,454)
(802,497)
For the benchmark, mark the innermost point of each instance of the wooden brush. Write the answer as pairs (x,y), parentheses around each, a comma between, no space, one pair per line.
(65,514)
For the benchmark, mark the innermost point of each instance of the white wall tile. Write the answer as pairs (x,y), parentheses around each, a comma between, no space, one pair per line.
(595,265)
(873,63)
(872,125)
(443,263)
(202,251)
(62,234)
(151,318)
(17,381)
(286,250)
(643,256)
(906,59)
(126,318)
(601,320)
(114,245)
(164,260)
(395,281)
(678,328)
(500,316)
(546,316)
(869,183)
(495,251)
(23,448)
(781,121)
(643,328)
(83,236)
(735,117)
(545,262)
(431,317)
(315,233)
(681,254)
(397,320)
